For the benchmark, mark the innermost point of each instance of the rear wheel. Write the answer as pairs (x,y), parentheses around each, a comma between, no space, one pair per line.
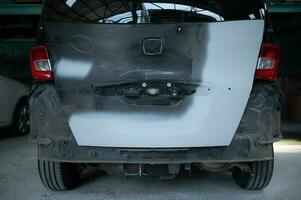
(59,176)
(257,178)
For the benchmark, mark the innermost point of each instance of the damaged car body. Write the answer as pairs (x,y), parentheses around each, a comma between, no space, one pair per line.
(153,88)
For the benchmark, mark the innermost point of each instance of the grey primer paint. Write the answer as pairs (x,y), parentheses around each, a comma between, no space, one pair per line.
(220,58)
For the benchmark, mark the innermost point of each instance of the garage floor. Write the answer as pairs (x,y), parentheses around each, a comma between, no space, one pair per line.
(19,179)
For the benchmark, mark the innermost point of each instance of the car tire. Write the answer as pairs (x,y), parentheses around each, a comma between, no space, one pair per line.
(20,124)
(257,178)
(59,176)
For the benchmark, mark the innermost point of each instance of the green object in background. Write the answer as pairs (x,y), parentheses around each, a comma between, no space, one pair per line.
(284,7)
(20,9)
(14,58)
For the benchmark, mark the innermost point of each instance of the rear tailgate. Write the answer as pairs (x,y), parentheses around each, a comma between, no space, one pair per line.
(218,58)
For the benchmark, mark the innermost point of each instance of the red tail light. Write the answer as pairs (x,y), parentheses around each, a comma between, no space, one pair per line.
(40,64)
(268,63)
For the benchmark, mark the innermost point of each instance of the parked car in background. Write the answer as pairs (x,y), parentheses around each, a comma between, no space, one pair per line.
(14,111)
(153,87)
(15,73)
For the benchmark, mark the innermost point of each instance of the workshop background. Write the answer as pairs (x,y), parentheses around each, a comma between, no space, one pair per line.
(18,175)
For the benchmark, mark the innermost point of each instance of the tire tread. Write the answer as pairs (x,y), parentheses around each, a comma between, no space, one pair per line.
(56,176)
(259,176)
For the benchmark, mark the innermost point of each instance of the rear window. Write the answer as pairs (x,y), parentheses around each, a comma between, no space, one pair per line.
(157,11)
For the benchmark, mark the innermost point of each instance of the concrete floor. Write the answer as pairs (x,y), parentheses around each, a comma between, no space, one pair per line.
(19,179)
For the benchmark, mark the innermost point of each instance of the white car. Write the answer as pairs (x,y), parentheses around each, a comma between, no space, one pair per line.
(14,110)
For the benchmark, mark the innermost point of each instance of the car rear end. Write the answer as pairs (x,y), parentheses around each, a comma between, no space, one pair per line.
(152,87)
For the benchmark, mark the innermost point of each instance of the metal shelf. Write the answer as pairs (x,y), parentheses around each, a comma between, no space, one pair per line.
(284,7)
(20,9)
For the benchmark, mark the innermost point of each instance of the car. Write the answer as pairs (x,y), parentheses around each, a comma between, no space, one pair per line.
(14,106)
(155,87)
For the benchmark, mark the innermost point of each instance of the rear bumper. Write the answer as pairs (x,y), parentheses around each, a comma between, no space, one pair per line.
(240,150)
(259,127)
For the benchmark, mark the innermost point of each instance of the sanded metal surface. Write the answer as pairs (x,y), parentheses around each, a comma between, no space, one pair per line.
(220,57)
